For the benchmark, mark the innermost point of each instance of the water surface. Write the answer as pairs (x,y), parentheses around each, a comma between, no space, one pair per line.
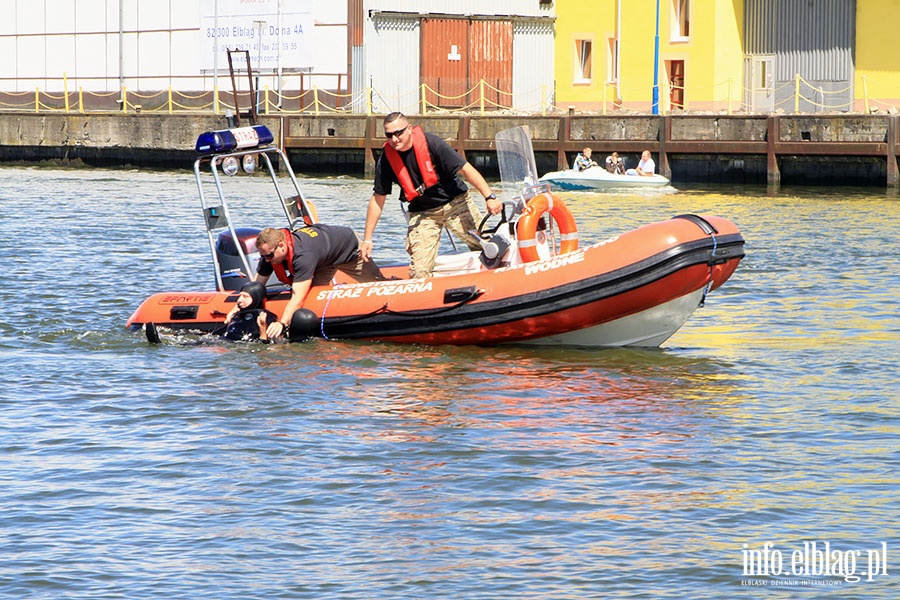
(371,470)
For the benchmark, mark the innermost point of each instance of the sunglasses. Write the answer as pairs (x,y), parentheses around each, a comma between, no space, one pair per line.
(397,133)
(268,256)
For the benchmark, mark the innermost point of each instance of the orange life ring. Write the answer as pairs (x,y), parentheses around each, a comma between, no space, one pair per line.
(526,229)
(312,216)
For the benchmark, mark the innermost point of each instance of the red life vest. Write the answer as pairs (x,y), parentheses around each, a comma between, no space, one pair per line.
(423,160)
(280,272)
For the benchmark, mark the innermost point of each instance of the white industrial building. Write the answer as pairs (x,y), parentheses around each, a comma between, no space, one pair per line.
(364,55)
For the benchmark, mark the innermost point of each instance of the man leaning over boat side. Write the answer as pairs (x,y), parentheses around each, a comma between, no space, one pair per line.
(430,175)
(307,257)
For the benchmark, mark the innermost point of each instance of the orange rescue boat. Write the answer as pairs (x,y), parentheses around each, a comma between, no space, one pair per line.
(532,282)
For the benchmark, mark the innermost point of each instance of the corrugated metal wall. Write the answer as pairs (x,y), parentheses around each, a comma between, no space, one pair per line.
(812,39)
(445,61)
(391,63)
(491,60)
(511,52)
(533,65)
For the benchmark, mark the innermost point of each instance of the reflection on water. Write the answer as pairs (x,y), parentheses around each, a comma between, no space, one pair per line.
(376,470)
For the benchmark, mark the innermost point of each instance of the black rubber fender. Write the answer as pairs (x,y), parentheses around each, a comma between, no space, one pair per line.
(304,325)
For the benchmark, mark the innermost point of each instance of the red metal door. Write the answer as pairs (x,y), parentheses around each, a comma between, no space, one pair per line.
(676,84)
(445,61)
(490,56)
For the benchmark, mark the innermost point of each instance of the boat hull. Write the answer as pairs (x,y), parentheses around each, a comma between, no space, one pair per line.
(635,289)
(598,178)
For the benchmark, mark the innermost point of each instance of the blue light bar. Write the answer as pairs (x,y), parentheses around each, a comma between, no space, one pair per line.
(226,140)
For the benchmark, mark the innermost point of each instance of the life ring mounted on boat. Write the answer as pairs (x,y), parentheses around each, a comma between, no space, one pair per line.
(531,220)
(301,212)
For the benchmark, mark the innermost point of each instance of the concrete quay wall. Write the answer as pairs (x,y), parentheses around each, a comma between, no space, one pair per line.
(773,149)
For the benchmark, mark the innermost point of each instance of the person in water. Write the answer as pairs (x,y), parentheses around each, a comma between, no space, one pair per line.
(249,320)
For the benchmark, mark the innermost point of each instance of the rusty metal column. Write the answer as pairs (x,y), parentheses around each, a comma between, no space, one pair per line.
(665,134)
(463,127)
(370,143)
(773,136)
(893,175)
(562,137)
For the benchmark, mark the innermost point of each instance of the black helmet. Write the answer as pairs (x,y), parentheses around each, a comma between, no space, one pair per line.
(257,292)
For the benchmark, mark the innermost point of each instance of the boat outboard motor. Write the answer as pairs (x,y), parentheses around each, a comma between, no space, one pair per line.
(495,247)
(231,267)
(494,250)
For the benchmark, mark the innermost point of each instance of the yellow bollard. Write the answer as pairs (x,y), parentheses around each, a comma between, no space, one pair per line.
(866,93)
(481,93)
(66,91)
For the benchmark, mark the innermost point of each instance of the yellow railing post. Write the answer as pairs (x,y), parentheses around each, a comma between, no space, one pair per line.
(481,93)
(664,96)
(866,93)
(124,100)
(316,99)
(37,99)
(266,101)
(797,93)
(80,99)
(423,99)
(215,99)
(369,101)
(66,91)
(730,82)
(170,100)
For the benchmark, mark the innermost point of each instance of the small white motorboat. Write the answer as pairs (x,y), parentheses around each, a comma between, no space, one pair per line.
(598,178)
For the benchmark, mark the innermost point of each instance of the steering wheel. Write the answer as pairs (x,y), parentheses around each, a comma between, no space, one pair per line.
(487,233)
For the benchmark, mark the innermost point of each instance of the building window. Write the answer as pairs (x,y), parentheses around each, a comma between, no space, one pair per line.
(583,57)
(682,19)
(612,68)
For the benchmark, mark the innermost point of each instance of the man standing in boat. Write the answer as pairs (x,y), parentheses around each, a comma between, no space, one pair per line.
(429,173)
(307,257)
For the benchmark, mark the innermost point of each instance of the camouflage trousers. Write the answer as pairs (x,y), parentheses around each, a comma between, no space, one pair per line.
(423,238)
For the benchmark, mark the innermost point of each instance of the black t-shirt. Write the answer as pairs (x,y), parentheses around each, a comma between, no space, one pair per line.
(447,163)
(317,246)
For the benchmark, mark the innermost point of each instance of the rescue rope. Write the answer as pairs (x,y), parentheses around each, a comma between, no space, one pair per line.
(385,310)
(712,261)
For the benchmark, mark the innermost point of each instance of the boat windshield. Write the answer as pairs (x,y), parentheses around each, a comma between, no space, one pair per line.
(515,156)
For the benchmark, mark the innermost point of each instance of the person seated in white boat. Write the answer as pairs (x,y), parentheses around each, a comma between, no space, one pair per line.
(583,161)
(646,167)
(249,319)
(430,174)
(614,164)
(307,257)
